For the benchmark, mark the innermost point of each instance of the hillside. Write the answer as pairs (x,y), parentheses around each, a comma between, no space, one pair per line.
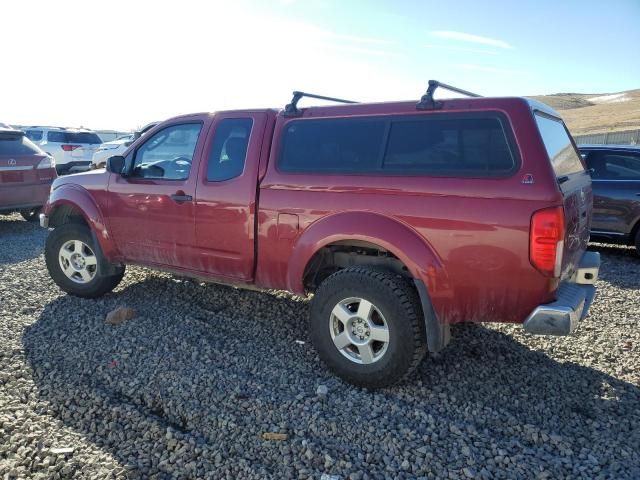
(595,113)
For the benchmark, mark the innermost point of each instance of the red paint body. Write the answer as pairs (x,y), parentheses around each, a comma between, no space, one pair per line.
(467,239)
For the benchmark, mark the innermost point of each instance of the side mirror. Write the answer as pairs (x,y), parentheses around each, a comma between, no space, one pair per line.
(115,164)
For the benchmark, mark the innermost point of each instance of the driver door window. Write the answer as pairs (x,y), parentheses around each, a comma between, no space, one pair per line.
(168,154)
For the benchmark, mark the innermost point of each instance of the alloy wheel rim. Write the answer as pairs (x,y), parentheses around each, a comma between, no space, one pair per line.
(78,261)
(359,330)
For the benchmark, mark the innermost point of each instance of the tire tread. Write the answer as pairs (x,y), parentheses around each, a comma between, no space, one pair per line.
(407,296)
(99,286)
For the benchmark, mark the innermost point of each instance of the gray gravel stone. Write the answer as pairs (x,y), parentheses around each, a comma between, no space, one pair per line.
(187,389)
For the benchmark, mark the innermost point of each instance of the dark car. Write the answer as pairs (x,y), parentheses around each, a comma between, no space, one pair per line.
(26,174)
(615,172)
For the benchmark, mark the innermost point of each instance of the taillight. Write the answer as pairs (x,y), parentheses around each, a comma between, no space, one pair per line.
(546,240)
(70,148)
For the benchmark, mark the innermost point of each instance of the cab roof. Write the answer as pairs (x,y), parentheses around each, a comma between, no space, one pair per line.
(427,102)
(407,106)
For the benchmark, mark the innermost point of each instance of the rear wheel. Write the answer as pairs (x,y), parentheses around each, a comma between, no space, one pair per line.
(31,214)
(367,326)
(75,262)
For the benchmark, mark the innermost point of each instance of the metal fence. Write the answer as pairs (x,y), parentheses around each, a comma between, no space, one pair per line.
(628,137)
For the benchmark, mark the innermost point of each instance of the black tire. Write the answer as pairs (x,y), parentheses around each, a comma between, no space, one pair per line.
(31,214)
(398,303)
(100,284)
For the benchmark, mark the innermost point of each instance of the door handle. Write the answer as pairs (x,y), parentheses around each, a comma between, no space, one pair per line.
(181,197)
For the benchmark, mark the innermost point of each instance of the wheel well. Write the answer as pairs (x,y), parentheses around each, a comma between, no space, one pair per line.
(66,214)
(348,253)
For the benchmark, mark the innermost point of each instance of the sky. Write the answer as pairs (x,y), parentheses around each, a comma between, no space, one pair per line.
(113,64)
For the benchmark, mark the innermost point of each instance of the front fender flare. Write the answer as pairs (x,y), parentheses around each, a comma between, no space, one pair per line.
(80,199)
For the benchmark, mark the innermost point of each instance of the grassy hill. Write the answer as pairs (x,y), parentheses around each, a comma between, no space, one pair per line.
(596,113)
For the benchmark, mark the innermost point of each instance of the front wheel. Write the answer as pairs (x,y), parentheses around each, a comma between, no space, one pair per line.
(75,262)
(367,326)
(31,214)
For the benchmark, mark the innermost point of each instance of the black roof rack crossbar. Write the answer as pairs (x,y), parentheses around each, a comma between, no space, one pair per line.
(428,103)
(292,108)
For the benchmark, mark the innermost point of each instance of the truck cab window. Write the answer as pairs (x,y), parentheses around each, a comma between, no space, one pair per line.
(168,154)
(229,149)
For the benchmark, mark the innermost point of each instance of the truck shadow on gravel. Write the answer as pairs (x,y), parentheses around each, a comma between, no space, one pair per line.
(190,385)
(26,240)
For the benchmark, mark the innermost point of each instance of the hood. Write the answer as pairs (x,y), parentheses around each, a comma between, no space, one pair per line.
(91,180)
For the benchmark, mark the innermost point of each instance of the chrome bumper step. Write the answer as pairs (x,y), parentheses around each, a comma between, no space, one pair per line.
(572,303)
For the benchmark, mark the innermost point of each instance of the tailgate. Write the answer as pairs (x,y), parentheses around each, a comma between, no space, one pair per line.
(578,202)
(19,169)
(574,183)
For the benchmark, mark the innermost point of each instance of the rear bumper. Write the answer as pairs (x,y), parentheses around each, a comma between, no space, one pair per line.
(19,196)
(572,303)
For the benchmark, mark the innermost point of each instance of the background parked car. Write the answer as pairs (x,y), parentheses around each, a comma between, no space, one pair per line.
(111,135)
(26,174)
(615,171)
(72,148)
(117,147)
(108,149)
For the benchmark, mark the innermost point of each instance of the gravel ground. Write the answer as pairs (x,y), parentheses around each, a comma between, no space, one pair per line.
(187,389)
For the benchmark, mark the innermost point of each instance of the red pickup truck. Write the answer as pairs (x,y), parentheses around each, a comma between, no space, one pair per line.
(400,218)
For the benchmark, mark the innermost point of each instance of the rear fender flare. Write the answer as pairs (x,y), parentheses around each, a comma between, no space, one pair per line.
(392,235)
(405,243)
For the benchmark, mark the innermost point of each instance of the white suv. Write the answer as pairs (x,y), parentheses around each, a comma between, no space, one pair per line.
(72,148)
